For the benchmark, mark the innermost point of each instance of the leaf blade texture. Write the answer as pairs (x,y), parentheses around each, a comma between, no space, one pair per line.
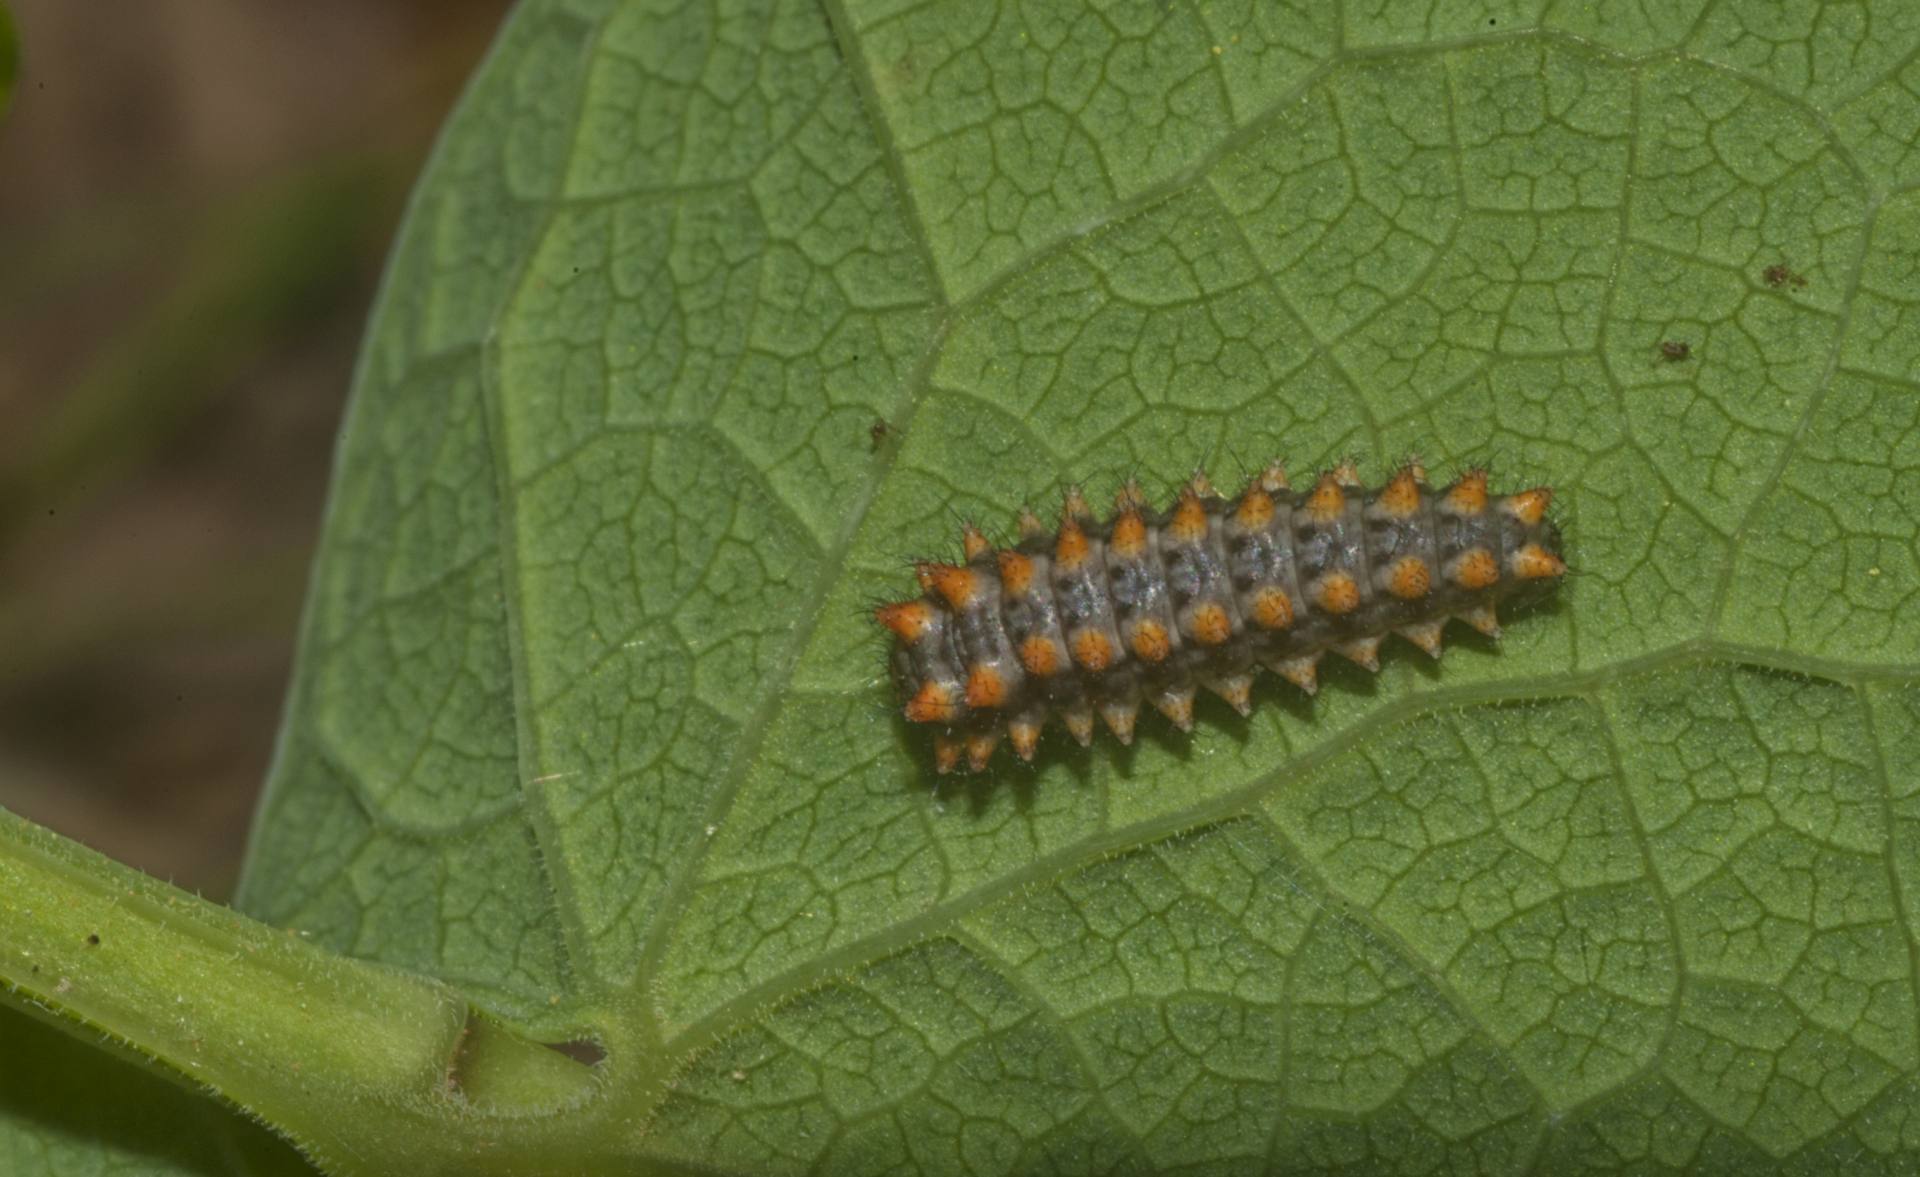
(589,721)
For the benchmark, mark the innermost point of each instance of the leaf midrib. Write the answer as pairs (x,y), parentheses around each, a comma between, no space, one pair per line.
(753,732)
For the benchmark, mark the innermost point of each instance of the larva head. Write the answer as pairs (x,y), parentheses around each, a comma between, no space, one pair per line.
(922,663)
(1536,558)
(900,668)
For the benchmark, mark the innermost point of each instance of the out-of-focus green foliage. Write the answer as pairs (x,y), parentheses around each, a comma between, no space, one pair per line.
(9,57)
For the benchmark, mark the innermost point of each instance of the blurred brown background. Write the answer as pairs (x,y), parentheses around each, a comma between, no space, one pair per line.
(196,197)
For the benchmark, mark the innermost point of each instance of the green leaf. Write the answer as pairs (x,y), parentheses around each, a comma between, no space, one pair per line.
(589,721)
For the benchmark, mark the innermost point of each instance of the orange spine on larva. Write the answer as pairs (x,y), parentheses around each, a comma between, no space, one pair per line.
(1094,618)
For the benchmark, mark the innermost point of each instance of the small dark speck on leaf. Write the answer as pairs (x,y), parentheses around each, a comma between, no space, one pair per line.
(1778,275)
(93,939)
(1675,350)
(878,431)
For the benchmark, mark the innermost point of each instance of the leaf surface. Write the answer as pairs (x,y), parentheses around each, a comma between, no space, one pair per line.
(590,720)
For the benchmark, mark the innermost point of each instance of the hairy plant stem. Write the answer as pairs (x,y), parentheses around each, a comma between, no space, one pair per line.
(366,1068)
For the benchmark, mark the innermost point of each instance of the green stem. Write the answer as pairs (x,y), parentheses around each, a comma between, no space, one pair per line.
(368,1069)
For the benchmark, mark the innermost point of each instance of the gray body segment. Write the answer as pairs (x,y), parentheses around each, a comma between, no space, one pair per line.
(1182,580)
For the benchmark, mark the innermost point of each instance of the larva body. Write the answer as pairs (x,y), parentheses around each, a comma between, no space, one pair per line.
(1093,618)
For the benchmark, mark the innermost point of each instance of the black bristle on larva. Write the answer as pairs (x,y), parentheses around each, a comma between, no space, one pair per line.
(1091,618)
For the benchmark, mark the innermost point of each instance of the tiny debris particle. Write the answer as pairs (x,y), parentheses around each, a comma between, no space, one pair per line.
(1675,351)
(93,939)
(1873,572)
(1778,275)
(878,431)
